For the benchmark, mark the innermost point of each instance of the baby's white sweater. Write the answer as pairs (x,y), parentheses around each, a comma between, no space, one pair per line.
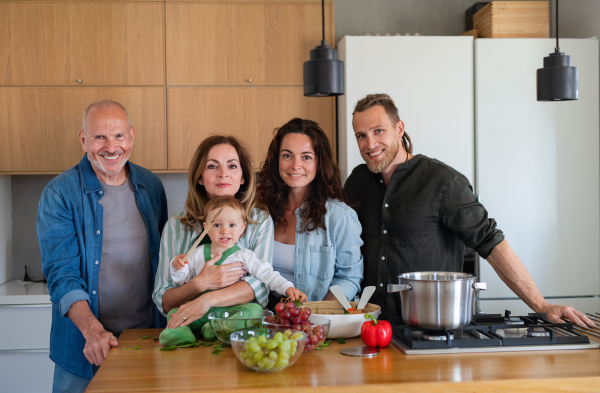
(259,268)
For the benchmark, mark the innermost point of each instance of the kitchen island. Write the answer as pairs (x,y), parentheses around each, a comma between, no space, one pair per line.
(326,370)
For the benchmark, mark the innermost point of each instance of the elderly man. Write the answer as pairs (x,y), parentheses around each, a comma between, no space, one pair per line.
(99,226)
(420,213)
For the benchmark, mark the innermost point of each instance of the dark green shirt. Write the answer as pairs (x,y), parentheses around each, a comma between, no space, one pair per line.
(420,222)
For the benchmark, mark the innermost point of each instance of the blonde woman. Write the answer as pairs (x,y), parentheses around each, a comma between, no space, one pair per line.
(221,167)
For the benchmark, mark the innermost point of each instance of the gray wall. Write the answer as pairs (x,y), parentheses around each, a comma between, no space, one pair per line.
(426,17)
(578,19)
(26,193)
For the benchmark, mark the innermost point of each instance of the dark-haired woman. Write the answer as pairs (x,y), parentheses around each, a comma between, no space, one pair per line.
(317,235)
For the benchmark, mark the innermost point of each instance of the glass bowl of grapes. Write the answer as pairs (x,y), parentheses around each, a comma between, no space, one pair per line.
(292,315)
(226,322)
(268,350)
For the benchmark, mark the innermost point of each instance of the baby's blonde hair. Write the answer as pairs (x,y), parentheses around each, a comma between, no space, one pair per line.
(219,202)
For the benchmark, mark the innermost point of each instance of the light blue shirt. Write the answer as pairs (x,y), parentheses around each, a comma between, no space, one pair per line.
(323,258)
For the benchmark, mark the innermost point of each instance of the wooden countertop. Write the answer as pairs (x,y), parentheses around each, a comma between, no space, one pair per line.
(198,370)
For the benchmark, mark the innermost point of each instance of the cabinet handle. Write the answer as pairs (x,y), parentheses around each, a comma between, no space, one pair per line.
(249,80)
(79,80)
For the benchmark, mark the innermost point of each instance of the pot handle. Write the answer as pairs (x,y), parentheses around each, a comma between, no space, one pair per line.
(398,287)
(480,286)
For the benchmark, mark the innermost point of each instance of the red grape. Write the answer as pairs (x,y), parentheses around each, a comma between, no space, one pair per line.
(279,307)
(304,316)
(270,319)
(295,320)
(294,312)
(285,315)
(320,336)
(285,322)
(313,339)
(290,305)
(297,327)
(307,310)
(305,323)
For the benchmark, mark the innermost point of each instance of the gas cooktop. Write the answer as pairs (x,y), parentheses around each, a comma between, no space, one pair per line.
(491,333)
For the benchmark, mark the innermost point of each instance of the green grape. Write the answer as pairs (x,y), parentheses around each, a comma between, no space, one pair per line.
(273,355)
(262,339)
(278,336)
(285,345)
(294,344)
(249,363)
(268,363)
(257,356)
(284,356)
(282,363)
(272,344)
(254,347)
(296,336)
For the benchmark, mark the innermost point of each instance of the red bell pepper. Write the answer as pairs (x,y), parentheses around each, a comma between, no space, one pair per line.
(376,333)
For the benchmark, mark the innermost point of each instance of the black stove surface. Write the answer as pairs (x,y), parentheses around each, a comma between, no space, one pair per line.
(493,330)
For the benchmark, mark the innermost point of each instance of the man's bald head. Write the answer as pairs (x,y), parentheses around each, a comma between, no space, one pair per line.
(104,104)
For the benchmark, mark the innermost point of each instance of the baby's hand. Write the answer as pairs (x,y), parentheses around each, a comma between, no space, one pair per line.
(178,262)
(294,294)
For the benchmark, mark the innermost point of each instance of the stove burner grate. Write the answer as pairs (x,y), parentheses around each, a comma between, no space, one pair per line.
(514,321)
(491,330)
(437,335)
(537,332)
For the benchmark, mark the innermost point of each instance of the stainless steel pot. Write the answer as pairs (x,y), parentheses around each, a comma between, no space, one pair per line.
(437,300)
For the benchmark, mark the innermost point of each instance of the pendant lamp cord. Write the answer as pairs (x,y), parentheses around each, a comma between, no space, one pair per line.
(323,18)
(557,49)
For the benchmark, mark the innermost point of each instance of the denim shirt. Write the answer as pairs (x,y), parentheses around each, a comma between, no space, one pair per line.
(323,258)
(69,229)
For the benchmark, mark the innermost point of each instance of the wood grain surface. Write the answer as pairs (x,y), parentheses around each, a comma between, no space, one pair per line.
(250,44)
(49,118)
(248,113)
(97,43)
(197,370)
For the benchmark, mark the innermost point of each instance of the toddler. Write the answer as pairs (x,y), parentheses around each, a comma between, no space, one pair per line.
(224,233)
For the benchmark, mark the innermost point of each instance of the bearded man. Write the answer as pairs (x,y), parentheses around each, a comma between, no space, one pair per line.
(417,214)
(99,226)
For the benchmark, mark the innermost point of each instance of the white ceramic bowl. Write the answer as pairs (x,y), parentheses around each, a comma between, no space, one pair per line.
(343,325)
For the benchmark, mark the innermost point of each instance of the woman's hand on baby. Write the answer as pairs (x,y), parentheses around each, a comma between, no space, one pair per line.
(294,294)
(179,261)
(190,312)
(213,277)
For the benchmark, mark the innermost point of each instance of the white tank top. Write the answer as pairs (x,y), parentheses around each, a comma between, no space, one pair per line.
(283,260)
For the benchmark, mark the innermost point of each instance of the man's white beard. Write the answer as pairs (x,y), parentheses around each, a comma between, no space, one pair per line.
(99,165)
(390,155)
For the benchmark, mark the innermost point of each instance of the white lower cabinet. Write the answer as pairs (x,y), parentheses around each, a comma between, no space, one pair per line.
(25,365)
(26,371)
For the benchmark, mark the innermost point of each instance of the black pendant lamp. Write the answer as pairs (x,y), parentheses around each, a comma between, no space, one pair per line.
(557,81)
(323,73)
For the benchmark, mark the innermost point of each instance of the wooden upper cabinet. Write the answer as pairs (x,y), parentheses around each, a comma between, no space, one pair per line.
(242,44)
(82,43)
(39,126)
(249,113)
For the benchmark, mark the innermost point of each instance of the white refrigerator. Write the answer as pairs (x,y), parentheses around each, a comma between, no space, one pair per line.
(537,171)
